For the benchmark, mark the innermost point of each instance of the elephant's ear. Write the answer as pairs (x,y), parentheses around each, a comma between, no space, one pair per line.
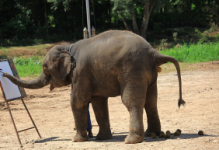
(67,64)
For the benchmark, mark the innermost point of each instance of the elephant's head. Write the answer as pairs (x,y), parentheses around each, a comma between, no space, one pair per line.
(57,69)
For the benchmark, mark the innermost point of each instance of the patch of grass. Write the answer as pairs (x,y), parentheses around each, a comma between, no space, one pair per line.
(28,66)
(194,53)
(31,70)
(28,61)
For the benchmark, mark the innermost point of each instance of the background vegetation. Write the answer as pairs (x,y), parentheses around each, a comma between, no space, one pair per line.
(25,22)
(185,29)
(32,66)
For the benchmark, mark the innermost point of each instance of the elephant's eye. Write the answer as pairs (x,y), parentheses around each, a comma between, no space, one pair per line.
(45,65)
(45,69)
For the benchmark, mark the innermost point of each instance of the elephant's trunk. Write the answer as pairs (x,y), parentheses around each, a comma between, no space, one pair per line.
(40,82)
(161,59)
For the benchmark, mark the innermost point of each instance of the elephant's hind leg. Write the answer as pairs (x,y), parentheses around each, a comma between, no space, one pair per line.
(133,97)
(100,107)
(152,112)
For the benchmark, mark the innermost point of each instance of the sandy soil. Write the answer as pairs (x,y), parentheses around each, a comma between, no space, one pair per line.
(52,114)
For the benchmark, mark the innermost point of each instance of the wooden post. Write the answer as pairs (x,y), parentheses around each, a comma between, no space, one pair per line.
(85,32)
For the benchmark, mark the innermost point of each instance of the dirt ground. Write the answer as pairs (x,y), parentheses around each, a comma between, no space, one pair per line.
(52,115)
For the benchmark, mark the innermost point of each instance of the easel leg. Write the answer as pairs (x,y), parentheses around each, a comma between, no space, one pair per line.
(30,117)
(13,122)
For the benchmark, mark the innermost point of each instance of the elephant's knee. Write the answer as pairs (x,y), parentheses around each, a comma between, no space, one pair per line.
(77,103)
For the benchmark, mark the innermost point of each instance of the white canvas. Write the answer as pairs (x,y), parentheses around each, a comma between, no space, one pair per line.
(10,89)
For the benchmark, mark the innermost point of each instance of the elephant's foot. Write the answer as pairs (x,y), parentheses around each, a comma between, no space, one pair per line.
(148,132)
(104,136)
(133,138)
(80,138)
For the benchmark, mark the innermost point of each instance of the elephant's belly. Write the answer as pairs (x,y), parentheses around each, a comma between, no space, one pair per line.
(111,90)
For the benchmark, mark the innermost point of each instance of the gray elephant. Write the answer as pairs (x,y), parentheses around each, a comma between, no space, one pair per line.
(110,64)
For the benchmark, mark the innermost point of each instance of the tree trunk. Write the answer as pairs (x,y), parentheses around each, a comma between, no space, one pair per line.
(110,14)
(83,15)
(125,23)
(45,1)
(134,24)
(147,11)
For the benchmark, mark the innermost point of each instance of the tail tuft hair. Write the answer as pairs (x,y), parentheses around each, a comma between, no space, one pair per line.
(181,102)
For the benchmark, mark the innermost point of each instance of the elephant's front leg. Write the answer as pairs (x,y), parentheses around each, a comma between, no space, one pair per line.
(80,118)
(100,107)
(80,96)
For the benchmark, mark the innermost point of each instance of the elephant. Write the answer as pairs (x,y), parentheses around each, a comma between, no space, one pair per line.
(110,64)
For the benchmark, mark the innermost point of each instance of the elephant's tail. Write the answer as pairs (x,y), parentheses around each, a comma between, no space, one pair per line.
(162,59)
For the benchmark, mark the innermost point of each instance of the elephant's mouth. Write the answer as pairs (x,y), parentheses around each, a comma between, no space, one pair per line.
(52,85)
(57,83)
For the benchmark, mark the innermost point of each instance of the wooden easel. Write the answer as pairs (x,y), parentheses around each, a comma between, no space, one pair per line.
(21,98)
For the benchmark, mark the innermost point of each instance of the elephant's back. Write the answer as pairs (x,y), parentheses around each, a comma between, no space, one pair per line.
(114,48)
(116,43)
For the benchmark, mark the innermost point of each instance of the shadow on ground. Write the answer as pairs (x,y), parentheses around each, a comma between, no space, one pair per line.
(182,136)
(120,137)
(51,139)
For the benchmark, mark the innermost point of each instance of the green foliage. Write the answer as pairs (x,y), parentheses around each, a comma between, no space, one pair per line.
(31,70)
(28,66)
(198,32)
(136,12)
(175,36)
(56,4)
(213,27)
(162,45)
(28,61)
(125,7)
(195,53)
(23,22)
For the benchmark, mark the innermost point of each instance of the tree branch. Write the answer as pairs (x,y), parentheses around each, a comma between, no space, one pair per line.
(124,21)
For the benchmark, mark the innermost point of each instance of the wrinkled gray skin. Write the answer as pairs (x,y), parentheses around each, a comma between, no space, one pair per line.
(110,64)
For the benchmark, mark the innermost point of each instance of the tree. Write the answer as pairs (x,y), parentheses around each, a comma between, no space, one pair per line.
(128,9)
(45,14)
